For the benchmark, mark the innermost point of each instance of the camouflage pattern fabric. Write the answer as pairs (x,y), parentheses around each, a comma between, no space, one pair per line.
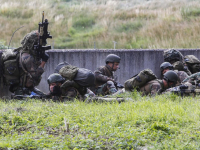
(32,66)
(181,76)
(139,80)
(152,88)
(70,94)
(106,89)
(71,90)
(104,83)
(192,78)
(68,72)
(25,81)
(178,65)
(102,75)
(191,59)
(28,41)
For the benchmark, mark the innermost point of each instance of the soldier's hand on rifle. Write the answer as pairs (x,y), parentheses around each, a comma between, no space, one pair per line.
(45,57)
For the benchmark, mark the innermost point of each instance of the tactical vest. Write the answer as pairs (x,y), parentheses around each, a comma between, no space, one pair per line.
(10,64)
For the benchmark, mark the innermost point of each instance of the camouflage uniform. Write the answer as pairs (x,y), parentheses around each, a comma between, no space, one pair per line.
(166,66)
(181,76)
(152,88)
(71,90)
(67,94)
(104,83)
(29,66)
(73,82)
(181,67)
(192,78)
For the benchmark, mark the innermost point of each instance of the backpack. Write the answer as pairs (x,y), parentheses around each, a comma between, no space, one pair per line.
(84,77)
(10,64)
(172,55)
(81,76)
(68,72)
(139,80)
(193,63)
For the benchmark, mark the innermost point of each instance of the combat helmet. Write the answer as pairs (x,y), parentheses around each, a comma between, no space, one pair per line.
(170,76)
(29,40)
(55,78)
(166,65)
(172,55)
(112,58)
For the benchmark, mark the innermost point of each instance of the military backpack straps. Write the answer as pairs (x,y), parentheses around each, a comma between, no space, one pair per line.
(139,80)
(10,64)
(193,63)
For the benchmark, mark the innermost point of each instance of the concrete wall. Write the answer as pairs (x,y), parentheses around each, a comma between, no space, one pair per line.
(132,61)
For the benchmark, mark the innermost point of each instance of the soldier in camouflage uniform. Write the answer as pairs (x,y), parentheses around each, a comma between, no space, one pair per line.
(31,67)
(166,66)
(158,86)
(67,90)
(175,58)
(58,93)
(192,78)
(105,83)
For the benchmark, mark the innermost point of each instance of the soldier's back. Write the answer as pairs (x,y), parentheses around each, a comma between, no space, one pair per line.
(152,87)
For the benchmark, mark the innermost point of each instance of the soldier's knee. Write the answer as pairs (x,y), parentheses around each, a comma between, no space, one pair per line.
(111,87)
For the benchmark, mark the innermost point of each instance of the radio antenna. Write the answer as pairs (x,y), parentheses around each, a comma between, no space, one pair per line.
(13,35)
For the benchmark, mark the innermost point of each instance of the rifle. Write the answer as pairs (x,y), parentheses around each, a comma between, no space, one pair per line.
(183,90)
(108,99)
(40,48)
(118,85)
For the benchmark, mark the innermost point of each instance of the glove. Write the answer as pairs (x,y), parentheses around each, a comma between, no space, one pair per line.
(56,91)
(45,57)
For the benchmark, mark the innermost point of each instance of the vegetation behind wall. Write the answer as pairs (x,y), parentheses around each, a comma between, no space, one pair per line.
(101,23)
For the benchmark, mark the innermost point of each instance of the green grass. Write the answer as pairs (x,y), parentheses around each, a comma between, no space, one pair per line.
(131,23)
(162,122)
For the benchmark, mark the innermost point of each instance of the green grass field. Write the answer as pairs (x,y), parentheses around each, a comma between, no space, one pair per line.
(163,122)
(81,24)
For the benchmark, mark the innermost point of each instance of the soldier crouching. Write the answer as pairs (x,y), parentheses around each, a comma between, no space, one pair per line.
(24,71)
(105,83)
(65,89)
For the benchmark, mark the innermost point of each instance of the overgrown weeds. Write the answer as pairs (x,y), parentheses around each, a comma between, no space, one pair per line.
(161,122)
(86,24)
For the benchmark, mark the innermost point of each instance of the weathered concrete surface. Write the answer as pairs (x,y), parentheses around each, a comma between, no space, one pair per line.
(132,61)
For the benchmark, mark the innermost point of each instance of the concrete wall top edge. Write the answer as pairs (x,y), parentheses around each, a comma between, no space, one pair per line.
(109,50)
(114,50)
